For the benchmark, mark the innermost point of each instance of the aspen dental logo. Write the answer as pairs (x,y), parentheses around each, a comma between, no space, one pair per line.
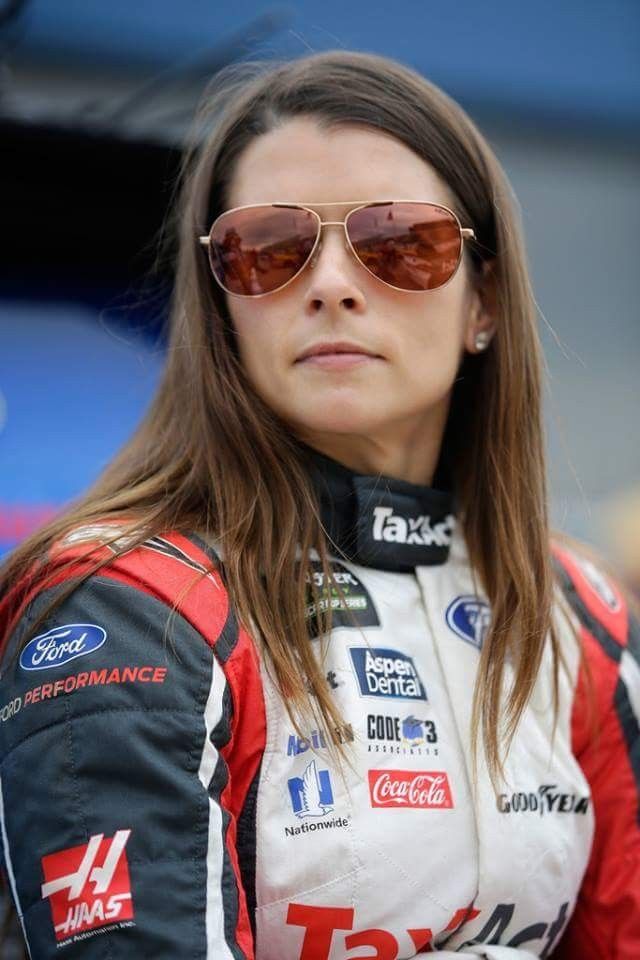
(386,673)
(88,887)
(394,528)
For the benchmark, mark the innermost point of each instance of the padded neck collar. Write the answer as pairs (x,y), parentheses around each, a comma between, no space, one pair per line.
(380,521)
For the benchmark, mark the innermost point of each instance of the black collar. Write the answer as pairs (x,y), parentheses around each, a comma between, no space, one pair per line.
(379,521)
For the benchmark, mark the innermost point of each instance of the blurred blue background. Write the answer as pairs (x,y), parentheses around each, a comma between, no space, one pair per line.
(95,99)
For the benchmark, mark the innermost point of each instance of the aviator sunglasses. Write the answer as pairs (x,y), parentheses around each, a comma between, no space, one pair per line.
(411,245)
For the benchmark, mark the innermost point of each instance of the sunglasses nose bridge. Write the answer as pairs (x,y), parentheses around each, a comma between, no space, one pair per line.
(329,223)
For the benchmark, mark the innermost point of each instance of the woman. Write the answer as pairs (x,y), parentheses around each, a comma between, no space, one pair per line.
(296,677)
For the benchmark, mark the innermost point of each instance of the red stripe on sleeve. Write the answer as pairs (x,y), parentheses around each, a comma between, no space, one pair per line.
(606,922)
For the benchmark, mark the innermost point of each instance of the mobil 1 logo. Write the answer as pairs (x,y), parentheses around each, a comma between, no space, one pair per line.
(382,672)
(353,609)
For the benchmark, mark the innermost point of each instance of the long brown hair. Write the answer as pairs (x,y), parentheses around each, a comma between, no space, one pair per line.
(211,456)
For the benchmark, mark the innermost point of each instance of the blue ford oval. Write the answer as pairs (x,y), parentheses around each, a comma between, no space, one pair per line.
(469,618)
(62,644)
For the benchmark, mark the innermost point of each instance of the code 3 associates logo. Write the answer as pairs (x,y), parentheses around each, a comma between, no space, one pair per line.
(386,673)
(88,886)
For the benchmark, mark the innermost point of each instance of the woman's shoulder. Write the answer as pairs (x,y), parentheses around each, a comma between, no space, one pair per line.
(145,628)
(604,613)
(597,596)
(105,570)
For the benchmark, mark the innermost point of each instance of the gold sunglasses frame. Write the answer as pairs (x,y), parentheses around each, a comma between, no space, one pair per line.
(466,233)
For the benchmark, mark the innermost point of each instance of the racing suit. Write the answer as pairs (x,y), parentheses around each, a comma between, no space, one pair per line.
(155,800)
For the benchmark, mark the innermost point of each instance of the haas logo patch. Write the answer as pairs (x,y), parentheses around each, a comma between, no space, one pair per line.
(88,886)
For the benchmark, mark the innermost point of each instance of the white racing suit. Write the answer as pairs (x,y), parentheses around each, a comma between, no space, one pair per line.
(156,801)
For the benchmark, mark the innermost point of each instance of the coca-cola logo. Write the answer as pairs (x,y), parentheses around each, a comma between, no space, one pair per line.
(427,789)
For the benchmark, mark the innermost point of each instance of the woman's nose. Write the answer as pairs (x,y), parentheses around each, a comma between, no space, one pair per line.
(335,274)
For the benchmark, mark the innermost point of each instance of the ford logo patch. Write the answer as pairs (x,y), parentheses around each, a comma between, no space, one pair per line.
(62,644)
(469,618)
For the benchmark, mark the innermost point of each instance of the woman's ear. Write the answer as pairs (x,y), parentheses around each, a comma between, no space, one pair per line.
(482,321)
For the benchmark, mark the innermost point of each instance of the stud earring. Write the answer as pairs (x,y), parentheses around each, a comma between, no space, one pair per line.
(482,340)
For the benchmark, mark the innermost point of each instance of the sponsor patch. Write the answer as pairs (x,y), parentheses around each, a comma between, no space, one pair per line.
(546,799)
(62,644)
(10,709)
(94,678)
(420,531)
(311,794)
(469,618)
(386,673)
(317,740)
(88,886)
(312,826)
(355,610)
(401,735)
(425,789)
(333,926)
(77,681)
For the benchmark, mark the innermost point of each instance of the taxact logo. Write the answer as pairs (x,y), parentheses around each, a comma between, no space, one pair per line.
(417,530)
(427,789)
(62,644)
(88,886)
(386,673)
(323,929)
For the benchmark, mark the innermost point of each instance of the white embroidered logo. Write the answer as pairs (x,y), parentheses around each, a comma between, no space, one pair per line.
(411,530)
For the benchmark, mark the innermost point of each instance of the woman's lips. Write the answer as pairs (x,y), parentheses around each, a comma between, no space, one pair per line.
(337,361)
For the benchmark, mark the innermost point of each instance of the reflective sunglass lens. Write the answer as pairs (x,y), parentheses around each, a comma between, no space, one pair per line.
(258,249)
(413,246)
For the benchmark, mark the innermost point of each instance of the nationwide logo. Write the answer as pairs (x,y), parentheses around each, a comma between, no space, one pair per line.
(600,585)
(427,789)
(354,608)
(311,794)
(386,673)
(88,886)
(469,618)
(394,734)
(317,740)
(62,644)
(547,799)
(411,530)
